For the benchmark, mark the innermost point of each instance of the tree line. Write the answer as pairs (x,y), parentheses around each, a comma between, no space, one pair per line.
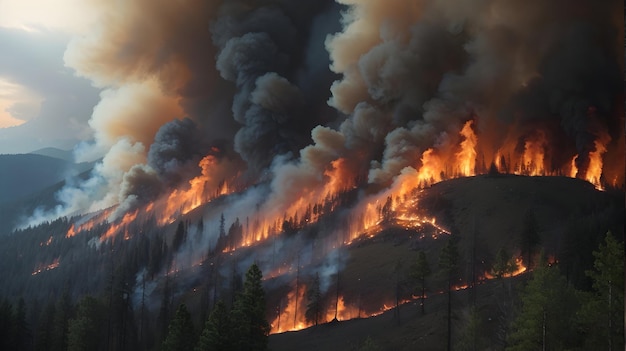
(546,313)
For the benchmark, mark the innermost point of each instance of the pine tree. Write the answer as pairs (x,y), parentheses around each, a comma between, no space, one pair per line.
(250,324)
(420,269)
(43,335)
(602,318)
(21,330)
(313,311)
(164,310)
(503,264)
(448,264)
(545,320)
(60,324)
(179,237)
(180,336)
(84,329)
(471,335)
(530,237)
(6,323)
(217,331)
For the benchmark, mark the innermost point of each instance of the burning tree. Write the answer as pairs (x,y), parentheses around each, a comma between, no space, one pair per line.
(503,265)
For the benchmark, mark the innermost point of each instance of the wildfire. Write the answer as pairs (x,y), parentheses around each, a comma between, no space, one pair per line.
(123,223)
(89,223)
(200,190)
(291,317)
(42,268)
(594,170)
(48,242)
(466,158)
(430,172)
(519,269)
(533,157)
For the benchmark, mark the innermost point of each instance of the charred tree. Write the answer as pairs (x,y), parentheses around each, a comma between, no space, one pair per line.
(313,311)
(420,269)
(530,237)
(448,265)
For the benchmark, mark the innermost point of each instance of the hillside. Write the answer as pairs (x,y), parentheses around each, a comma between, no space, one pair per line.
(24,174)
(491,208)
(66,155)
(482,214)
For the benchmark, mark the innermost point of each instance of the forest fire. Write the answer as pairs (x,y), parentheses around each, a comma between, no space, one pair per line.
(117,226)
(322,195)
(48,242)
(515,268)
(43,268)
(466,158)
(89,222)
(291,315)
(200,190)
(231,134)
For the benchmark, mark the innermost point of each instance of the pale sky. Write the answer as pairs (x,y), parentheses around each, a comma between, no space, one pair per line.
(42,102)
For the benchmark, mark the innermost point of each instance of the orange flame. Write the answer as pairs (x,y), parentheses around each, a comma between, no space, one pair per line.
(573,169)
(98,218)
(291,317)
(519,269)
(533,157)
(115,227)
(183,201)
(466,158)
(42,268)
(432,165)
(594,170)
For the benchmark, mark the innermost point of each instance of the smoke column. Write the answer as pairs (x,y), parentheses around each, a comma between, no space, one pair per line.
(307,97)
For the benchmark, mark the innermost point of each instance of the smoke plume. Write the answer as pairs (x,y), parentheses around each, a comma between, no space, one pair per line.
(296,100)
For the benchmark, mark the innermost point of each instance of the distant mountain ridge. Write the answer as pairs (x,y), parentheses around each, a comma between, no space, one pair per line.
(25,174)
(66,155)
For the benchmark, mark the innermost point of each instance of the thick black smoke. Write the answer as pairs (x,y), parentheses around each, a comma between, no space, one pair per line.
(254,77)
(176,150)
(258,50)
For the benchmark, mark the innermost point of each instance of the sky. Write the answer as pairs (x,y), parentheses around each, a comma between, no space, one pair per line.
(43,103)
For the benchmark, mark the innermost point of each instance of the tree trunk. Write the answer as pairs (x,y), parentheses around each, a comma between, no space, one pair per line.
(423,295)
(449,344)
(543,342)
(610,319)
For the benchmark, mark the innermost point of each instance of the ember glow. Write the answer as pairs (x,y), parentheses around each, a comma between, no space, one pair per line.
(520,268)
(466,158)
(291,316)
(117,226)
(271,131)
(200,190)
(43,268)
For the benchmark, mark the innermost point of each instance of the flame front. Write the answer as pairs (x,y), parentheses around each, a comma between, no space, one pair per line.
(466,158)
(42,268)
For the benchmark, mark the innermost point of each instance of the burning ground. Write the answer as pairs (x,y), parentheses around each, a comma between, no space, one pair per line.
(296,133)
(359,274)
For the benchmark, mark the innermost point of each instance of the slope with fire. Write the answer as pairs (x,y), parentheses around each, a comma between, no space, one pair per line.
(329,142)
(358,242)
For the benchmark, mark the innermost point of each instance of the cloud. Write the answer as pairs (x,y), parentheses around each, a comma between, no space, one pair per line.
(39,89)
